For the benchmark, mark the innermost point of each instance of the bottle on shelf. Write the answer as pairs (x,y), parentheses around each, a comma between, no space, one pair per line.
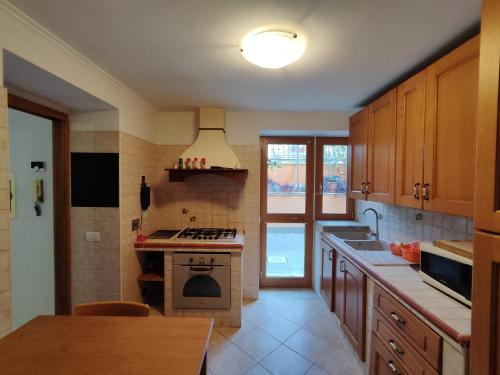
(195,163)
(188,163)
(203,163)
(180,164)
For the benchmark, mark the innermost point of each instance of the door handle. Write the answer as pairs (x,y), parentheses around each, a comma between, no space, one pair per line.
(425,192)
(320,188)
(342,266)
(416,191)
(363,184)
(330,255)
(367,188)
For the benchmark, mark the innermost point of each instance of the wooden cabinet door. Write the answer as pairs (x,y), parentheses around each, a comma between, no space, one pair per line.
(338,287)
(382,361)
(410,141)
(450,130)
(327,256)
(357,154)
(487,195)
(382,148)
(485,337)
(353,320)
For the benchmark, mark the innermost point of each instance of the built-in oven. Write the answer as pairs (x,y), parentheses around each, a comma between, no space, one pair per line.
(448,272)
(201,280)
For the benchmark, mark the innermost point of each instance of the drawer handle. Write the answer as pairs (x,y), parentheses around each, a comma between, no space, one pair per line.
(342,266)
(330,255)
(393,368)
(397,319)
(394,347)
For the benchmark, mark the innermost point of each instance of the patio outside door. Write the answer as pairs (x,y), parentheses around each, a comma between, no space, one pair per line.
(287,179)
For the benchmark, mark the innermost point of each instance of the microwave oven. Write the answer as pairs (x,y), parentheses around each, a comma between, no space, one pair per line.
(447,271)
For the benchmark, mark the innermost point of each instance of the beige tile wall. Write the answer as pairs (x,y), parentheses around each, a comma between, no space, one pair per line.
(137,158)
(5,304)
(95,266)
(215,201)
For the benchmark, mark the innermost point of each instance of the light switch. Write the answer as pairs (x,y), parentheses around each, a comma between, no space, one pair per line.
(92,236)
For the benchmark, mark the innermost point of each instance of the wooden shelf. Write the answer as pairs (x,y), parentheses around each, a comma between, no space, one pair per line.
(150,277)
(178,175)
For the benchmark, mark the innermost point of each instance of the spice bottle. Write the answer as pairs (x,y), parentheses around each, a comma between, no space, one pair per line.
(203,163)
(188,163)
(180,164)
(195,163)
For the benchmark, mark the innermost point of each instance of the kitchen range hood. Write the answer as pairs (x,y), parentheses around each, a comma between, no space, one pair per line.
(211,142)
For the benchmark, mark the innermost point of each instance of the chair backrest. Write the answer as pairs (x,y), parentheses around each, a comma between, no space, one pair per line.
(112,308)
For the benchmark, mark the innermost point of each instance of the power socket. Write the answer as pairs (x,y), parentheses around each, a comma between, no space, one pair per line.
(135,224)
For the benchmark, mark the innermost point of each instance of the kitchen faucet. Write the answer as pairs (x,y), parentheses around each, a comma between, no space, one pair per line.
(375,234)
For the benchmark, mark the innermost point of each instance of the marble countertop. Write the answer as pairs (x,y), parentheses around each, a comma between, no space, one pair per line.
(441,311)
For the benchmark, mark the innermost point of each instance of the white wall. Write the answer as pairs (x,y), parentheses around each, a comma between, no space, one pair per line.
(95,121)
(32,237)
(22,36)
(245,128)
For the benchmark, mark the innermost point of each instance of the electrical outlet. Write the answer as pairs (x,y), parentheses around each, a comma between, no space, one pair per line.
(192,218)
(135,224)
(185,211)
(92,236)
(419,216)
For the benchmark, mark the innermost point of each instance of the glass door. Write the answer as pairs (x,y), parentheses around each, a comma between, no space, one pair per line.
(331,180)
(287,180)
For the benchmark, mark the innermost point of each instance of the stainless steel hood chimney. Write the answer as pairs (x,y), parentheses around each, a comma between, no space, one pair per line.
(211,142)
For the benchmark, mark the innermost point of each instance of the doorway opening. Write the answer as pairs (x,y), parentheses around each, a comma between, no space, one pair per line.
(302,179)
(40,209)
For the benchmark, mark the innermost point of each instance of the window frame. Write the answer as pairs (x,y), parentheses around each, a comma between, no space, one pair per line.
(318,181)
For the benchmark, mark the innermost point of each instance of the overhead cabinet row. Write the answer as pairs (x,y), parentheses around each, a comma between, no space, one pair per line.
(415,145)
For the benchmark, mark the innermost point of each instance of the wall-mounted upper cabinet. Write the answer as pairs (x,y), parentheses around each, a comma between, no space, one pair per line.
(451,90)
(410,141)
(433,118)
(358,138)
(372,144)
(381,149)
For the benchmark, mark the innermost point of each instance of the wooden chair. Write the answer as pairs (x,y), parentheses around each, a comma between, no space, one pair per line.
(112,308)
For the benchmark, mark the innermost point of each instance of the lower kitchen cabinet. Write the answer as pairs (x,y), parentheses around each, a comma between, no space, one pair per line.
(326,283)
(350,303)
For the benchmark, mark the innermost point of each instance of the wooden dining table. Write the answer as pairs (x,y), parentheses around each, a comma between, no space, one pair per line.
(92,345)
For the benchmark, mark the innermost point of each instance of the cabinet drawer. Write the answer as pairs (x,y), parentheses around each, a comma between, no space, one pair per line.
(425,341)
(399,347)
(383,362)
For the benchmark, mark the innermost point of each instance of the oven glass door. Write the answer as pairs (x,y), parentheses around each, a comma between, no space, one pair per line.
(203,287)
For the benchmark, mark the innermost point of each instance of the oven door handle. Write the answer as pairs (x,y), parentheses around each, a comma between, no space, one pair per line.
(201,269)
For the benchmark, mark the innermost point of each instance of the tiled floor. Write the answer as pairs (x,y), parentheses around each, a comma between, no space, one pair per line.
(286,331)
(285,250)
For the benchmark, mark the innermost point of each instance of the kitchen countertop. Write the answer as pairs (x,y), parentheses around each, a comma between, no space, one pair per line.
(445,313)
(175,244)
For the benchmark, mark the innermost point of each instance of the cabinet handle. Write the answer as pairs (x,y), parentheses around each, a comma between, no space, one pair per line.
(416,191)
(367,188)
(397,319)
(425,192)
(330,255)
(341,266)
(394,347)
(363,190)
(393,368)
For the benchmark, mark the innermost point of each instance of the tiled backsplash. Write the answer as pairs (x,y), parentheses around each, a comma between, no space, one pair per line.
(401,224)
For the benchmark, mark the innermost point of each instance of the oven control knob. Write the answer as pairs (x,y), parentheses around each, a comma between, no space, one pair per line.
(212,260)
(191,260)
(202,261)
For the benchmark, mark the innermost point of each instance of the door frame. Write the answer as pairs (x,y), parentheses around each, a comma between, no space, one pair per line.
(306,218)
(319,215)
(62,218)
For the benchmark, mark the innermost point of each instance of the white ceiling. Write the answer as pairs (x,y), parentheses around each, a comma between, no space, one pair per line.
(181,54)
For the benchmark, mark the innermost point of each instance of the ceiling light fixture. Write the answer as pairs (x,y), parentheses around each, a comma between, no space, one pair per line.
(272,49)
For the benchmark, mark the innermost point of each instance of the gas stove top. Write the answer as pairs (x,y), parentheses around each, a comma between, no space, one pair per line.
(207,234)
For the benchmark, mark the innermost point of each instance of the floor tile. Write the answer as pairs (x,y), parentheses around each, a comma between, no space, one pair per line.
(230,360)
(339,360)
(297,314)
(308,345)
(278,327)
(216,343)
(315,370)
(324,326)
(231,332)
(255,313)
(258,370)
(257,344)
(284,361)
(276,305)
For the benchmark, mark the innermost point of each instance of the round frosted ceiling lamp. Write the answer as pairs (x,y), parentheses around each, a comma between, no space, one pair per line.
(272,49)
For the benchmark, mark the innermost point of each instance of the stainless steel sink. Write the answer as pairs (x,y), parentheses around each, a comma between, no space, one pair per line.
(368,245)
(355,235)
